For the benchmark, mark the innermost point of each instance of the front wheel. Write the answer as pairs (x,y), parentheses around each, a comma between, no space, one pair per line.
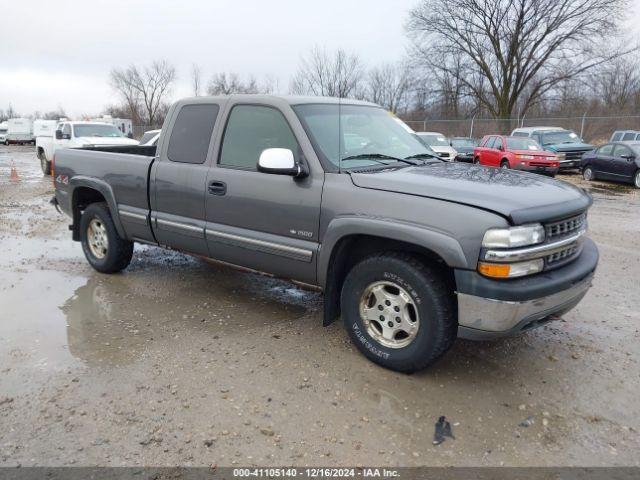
(504,164)
(636,179)
(398,311)
(104,249)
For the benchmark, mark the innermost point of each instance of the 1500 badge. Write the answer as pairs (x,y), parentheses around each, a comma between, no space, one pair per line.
(301,233)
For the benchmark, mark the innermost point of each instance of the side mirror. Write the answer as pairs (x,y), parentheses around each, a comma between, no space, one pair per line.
(279,161)
(58,134)
(500,148)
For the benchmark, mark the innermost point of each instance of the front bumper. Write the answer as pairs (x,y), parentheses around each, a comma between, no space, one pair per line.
(546,170)
(491,308)
(570,164)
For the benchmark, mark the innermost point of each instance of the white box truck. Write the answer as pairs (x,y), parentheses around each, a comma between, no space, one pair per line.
(19,131)
(123,124)
(44,128)
(3,132)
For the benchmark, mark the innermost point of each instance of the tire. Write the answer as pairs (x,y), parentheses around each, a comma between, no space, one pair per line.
(504,164)
(105,250)
(45,165)
(476,160)
(588,174)
(428,314)
(636,179)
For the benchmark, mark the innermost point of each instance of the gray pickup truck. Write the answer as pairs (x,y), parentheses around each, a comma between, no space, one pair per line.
(410,251)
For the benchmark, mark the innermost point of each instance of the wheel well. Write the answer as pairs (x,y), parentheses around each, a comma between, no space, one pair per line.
(504,160)
(82,198)
(352,249)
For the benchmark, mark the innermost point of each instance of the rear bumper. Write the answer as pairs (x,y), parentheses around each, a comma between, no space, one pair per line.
(490,309)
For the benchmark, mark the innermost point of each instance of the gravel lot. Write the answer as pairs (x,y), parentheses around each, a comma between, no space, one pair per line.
(181,362)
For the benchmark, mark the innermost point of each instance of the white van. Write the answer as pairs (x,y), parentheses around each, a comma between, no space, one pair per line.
(19,130)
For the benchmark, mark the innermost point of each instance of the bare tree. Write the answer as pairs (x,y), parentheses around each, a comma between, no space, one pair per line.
(229,83)
(337,74)
(196,74)
(510,53)
(145,89)
(618,84)
(388,85)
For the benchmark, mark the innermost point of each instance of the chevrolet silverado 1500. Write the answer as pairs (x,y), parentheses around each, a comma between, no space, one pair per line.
(409,250)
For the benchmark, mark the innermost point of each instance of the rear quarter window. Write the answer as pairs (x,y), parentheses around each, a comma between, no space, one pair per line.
(191,133)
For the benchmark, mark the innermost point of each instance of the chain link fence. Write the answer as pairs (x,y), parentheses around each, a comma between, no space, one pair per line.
(594,130)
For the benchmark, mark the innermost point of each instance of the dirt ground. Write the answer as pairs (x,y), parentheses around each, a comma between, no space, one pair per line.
(180,362)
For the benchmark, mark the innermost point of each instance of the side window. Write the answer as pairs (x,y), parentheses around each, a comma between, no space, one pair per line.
(252,129)
(520,134)
(489,142)
(616,136)
(66,129)
(498,143)
(191,133)
(605,149)
(628,136)
(621,150)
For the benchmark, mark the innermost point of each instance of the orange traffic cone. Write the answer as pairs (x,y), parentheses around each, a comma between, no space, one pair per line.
(14,173)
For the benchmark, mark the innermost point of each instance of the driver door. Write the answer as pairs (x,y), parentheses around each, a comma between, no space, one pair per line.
(259,220)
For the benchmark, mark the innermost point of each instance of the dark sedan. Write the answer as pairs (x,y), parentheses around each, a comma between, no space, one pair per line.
(464,146)
(615,161)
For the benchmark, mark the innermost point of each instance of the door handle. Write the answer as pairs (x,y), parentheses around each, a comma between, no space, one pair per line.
(217,188)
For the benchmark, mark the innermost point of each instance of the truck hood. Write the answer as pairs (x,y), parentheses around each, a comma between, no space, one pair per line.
(520,197)
(567,147)
(106,141)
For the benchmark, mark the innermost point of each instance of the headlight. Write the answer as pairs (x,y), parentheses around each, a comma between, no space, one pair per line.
(561,156)
(524,157)
(510,270)
(514,236)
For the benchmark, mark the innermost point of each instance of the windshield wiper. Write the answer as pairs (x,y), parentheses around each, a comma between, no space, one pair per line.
(376,156)
(424,155)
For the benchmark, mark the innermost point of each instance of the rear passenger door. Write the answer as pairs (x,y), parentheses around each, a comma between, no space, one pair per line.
(179,177)
(263,221)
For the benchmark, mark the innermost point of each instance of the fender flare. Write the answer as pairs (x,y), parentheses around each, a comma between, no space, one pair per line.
(442,244)
(105,190)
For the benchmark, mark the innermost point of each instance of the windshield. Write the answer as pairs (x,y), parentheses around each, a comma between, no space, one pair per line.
(148,136)
(519,143)
(464,142)
(96,130)
(434,140)
(3,130)
(561,136)
(342,131)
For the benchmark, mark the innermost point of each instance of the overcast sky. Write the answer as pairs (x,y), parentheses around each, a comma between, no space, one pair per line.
(59,52)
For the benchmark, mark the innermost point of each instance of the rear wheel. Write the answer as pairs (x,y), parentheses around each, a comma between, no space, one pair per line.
(398,311)
(104,249)
(476,160)
(504,164)
(588,174)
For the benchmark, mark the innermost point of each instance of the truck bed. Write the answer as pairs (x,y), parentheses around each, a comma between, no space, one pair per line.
(145,150)
(122,178)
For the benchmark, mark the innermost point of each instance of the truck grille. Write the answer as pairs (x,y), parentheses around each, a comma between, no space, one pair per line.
(574,154)
(565,227)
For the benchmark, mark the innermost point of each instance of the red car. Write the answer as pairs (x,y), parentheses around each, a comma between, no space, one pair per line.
(519,153)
